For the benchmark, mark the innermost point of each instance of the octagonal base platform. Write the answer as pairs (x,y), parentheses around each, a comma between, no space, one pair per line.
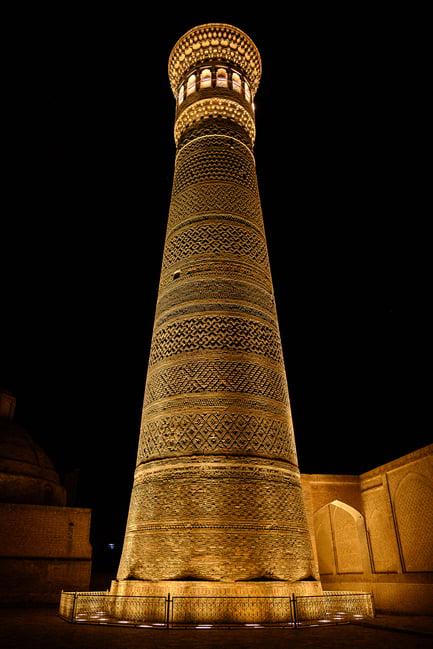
(130,587)
(207,602)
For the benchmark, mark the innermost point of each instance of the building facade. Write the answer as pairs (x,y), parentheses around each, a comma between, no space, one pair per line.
(44,544)
(374,532)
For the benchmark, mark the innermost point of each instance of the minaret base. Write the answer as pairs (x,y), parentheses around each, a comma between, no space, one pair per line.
(191,588)
(220,602)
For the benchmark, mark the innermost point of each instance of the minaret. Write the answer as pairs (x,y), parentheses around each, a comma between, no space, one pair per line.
(217,501)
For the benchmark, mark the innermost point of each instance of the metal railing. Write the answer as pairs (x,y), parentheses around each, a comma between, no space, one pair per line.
(103,608)
(332,607)
(231,611)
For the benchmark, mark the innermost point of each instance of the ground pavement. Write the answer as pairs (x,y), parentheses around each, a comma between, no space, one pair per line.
(42,628)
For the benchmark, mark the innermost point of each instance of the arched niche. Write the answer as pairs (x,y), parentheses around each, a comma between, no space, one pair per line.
(222,78)
(341,539)
(206,78)
(236,82)
(191,84)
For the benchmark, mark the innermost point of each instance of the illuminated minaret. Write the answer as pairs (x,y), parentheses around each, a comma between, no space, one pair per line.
(217,494)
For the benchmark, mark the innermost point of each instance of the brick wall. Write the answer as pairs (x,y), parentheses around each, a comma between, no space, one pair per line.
(374,532)
(43,550)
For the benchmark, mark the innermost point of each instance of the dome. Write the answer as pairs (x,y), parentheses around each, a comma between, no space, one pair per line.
(27,475)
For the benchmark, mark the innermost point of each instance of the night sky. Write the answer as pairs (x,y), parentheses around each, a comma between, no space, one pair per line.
(90,158)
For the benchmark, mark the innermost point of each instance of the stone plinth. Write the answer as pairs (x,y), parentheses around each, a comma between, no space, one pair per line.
(207,602)
(215,589)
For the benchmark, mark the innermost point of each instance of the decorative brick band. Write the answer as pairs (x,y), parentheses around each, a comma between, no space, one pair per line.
(212,108)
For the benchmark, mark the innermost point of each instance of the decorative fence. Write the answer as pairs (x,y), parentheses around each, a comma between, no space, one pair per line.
(103,608)
(231,611)
(332,607)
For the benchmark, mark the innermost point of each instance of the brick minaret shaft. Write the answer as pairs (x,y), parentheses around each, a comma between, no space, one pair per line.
(217,493)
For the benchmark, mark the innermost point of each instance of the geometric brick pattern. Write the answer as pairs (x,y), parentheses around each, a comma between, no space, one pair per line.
(218,238)
(222,197)
(209,292)
(216,375)
(215,159)
(225,333)
(414,513)
(204,524)
(214,432)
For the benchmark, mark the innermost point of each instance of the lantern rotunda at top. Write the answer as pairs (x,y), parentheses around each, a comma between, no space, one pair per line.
(214,42)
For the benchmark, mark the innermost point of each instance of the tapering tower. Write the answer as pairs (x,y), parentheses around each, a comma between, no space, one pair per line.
(217,494)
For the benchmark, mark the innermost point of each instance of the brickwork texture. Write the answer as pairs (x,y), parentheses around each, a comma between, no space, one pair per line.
(43,549)
(374,532)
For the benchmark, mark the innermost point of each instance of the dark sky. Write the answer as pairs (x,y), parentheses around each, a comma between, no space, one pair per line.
(89,119)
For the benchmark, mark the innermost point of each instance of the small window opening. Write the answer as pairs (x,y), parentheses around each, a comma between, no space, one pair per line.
(205,79)
(176,274)
(190,88)
(221,78)
(236,82)
(181,94)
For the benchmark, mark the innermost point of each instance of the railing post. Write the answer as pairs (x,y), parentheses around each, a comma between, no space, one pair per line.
(373,604)
(168,612)
(73,607)
(295,614)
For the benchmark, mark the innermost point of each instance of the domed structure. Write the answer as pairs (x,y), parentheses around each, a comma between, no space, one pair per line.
(44,544)
(27,475)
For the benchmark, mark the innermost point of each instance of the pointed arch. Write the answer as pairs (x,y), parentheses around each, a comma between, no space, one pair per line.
(341,539)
